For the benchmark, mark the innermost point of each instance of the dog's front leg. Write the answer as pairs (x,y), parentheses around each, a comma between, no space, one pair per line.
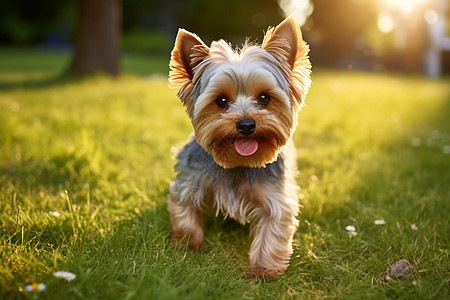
(271,248)
(187,223)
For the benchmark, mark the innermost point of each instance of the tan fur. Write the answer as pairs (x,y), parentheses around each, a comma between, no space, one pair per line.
(187,224)
(189,50)
(260,188)
(294,59)
(273,232)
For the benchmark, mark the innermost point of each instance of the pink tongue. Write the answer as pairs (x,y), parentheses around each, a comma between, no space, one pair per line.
(246,147)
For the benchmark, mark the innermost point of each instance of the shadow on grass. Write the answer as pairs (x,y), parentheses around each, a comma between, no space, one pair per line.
(411,175)
(38,68)
(139,256)
(47,81)
(404,183)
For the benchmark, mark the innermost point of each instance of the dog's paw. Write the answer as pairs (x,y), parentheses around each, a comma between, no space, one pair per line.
(181,239)
(263,273)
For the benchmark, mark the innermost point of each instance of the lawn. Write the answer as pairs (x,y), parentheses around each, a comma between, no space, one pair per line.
(85,166)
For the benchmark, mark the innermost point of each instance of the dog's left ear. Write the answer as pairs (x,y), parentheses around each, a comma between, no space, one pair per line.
(189,51)
(286,45)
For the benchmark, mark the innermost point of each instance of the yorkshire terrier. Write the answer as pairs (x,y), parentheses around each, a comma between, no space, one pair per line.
(243,105)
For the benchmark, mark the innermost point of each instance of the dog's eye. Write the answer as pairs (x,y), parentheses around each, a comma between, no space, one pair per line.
(264,99)
(221,101)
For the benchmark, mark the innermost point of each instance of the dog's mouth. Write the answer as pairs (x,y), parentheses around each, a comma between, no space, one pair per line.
(246,147)
(239,151)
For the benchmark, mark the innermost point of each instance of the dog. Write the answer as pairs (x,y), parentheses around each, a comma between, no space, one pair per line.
(241,163)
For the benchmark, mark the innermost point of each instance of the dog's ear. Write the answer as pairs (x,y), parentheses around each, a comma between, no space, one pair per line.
(189,51)
(286,45)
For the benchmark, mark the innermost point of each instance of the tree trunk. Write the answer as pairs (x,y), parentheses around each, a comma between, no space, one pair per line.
(98,37)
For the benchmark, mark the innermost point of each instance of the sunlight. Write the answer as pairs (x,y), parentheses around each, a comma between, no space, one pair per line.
(385,23)
(402,6)
(431,16)
(394,13)
(300,10)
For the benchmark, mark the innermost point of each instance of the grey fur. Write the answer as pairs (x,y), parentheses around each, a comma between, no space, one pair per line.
(198,177)
(209,176)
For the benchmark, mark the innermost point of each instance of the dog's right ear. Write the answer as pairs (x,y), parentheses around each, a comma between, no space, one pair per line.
(285,44)
(188,52)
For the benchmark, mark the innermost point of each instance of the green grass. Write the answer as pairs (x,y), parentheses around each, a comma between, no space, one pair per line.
(97,151)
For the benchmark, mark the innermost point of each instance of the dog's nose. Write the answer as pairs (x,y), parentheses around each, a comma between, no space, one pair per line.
(246,127)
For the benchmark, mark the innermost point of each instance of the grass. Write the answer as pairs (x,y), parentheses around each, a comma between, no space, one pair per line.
(97,151)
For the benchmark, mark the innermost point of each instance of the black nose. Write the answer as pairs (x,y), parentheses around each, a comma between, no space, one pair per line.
(246,127)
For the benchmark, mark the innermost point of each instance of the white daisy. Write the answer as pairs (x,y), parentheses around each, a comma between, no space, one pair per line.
(55,214)
(380,222)
(351,231)
(350,228)
(35,287)
(65,275)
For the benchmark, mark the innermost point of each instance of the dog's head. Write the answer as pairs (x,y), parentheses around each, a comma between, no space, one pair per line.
(243,104)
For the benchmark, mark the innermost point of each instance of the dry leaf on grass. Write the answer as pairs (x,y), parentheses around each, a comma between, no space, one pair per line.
(400,268)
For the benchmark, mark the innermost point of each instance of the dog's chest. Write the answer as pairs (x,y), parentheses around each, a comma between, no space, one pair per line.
(241,193)
(235,192)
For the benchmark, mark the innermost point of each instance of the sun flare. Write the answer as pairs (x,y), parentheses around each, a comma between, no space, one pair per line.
(395,12)
(402,6)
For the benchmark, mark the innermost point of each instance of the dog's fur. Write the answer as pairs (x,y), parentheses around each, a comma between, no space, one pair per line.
(239,101)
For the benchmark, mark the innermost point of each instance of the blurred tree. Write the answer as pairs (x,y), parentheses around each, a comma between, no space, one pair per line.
(97,46)
(26,22)
(232,20)
(149,26)
(138,14)
(338,22)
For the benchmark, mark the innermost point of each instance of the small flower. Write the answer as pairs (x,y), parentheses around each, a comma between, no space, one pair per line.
(380,222)
(65,275)
(351,230)
(414,227)
(55,214)
(35,287)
